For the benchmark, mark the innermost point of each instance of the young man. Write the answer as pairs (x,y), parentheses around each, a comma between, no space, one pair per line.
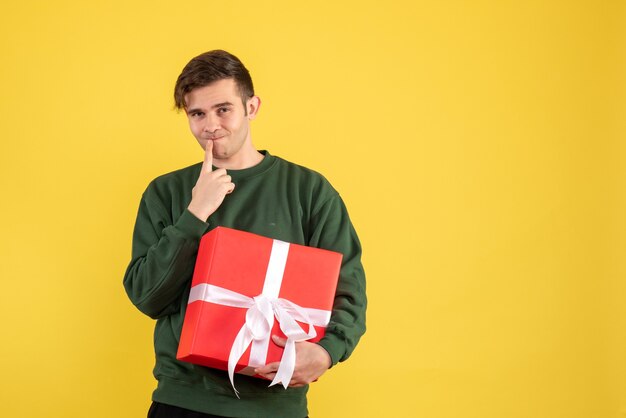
(238,187)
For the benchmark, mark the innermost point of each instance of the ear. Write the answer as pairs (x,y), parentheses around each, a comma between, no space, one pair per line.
(253,106)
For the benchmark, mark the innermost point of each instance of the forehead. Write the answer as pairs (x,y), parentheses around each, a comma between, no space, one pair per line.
(221,91)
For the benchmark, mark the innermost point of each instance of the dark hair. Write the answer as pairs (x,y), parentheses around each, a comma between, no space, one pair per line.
(209,67)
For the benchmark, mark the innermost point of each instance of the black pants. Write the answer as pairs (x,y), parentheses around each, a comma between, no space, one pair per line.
(161,410)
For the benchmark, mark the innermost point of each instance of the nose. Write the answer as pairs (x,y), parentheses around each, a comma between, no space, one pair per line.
(211,124)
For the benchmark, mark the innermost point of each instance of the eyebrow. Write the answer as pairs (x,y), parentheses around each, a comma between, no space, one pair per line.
(212,107)
(221,105)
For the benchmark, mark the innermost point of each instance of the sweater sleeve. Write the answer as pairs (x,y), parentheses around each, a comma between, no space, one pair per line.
(331,229)
(163,256)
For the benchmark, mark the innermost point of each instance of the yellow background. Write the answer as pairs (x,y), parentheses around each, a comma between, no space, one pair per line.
(479,146)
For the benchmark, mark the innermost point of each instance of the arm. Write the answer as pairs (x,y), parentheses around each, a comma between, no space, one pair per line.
(163,256)
(164,250)
(331,229)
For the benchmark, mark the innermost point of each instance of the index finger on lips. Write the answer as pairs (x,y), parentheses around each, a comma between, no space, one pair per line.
(207,164)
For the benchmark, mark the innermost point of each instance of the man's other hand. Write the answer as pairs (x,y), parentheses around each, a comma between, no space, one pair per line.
(312,360)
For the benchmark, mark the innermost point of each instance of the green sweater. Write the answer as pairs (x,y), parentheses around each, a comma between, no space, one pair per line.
(277,199)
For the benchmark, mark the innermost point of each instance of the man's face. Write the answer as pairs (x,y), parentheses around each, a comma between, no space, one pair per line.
(216,113)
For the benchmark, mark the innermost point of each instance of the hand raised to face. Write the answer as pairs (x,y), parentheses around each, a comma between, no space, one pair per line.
(211,187)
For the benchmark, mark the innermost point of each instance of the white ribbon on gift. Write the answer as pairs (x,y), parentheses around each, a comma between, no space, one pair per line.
(261,310)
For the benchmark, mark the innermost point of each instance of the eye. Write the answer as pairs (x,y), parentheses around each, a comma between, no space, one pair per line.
(197,114)
(223,110)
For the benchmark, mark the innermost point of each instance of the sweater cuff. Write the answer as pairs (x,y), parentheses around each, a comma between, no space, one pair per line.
(191,226)
(334,346)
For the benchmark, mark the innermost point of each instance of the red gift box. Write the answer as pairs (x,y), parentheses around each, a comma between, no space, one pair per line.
(246,288)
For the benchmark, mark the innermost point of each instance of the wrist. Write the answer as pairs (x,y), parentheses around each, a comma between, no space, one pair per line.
(325,358)
(191,225)
(199,213)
